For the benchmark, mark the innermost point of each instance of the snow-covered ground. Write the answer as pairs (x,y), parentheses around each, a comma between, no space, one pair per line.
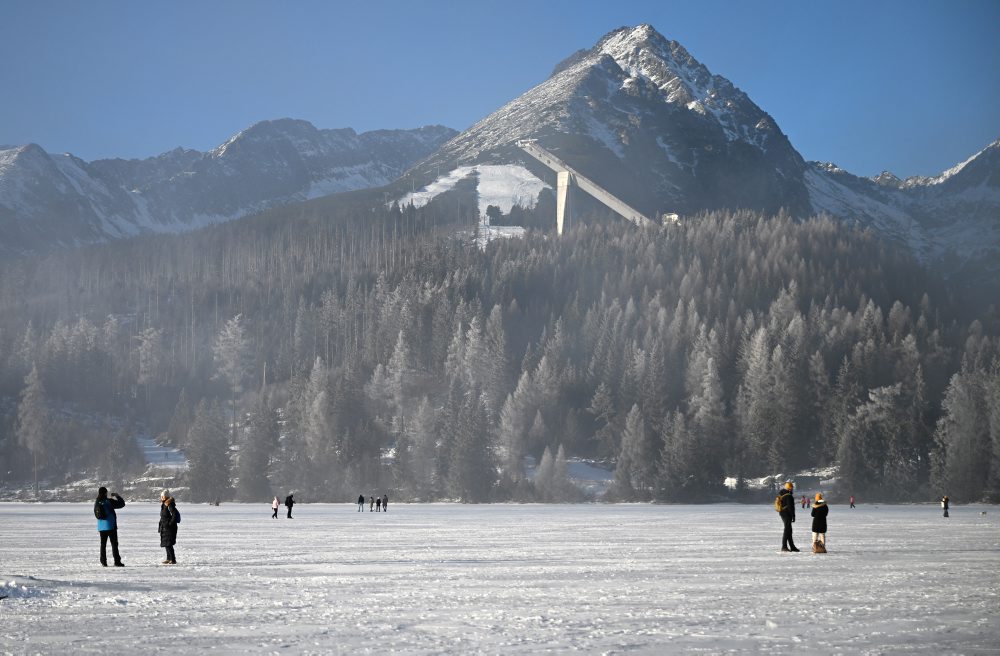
(459,579)
(165,457)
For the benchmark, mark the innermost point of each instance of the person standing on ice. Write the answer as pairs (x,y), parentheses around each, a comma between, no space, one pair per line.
(787,514)
(107,524)
(819,512)
(944,505)
(274,507)
(289,502)
(852,501)
(361,503)
(168,526)
(378,504)
(385,503)
(371,503)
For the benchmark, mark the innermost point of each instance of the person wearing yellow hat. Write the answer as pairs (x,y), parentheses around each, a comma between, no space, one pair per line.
(787,513)
(819,512)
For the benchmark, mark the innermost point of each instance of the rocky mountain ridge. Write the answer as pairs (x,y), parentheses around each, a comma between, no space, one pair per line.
(60,200)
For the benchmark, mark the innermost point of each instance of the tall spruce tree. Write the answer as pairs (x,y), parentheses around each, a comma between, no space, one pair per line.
(209,470)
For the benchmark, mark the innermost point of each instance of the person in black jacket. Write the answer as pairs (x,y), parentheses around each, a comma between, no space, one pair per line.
(944,504)
(819,512)
(361,503)
(787,514)
(168,526)
(289,502)
(107,524)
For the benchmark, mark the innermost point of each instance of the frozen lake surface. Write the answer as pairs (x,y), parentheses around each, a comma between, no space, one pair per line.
(459,579)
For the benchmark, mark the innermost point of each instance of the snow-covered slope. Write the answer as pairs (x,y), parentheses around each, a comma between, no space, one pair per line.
(951,220)
(61,200)
(639,115)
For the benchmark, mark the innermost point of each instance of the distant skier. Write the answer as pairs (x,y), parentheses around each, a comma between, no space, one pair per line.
(289,502)
(852,501)
(274,507)
(819,512)
(944,505)
(378,504)
(169,517)
(787,513)
(385,503)
(361,503)
(107,524)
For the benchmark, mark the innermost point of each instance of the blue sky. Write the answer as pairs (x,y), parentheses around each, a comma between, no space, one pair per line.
(912,87)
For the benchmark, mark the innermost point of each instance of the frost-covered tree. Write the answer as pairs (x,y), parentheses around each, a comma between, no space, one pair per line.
(209,471)
(254,461)
(232,359)
(33,422)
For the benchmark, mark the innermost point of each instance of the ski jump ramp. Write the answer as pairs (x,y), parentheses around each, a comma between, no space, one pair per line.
(568,177)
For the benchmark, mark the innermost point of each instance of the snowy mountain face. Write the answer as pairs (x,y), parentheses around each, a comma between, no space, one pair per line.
(50,199)
(641,117)
(951,220)
(644,119)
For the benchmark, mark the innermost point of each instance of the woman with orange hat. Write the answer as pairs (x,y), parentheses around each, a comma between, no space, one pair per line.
(786,503)
(819,512)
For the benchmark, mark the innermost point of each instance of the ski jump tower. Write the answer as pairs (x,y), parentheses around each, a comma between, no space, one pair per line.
(567,177)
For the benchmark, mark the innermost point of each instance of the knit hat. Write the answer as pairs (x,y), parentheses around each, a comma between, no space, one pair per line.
(165,494)
(819,496)
(789,485)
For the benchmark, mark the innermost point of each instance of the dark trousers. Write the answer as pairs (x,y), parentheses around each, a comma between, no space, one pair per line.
(289,512)
(170,554)
(786,536)
(274,515)
(113,536)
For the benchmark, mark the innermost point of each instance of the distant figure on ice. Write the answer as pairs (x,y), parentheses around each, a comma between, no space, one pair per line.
(107,524)
(852,501)
(944,505)
(289,502)
(378,504)
(385,503)
(786,503)
(274,507)
(803,501)
(361,503)
(819,512)
(169,518)
(371,503)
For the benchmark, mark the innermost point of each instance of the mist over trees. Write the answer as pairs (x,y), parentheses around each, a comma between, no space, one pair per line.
(381,351)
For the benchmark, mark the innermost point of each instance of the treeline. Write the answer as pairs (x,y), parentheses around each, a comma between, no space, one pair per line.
(379,350)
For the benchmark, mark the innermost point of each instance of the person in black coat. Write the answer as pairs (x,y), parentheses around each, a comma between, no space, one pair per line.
(168,526)
(944,504)
(819,512)
(107,524)
(361,503)
(385,503)
(787,514)
(289,502)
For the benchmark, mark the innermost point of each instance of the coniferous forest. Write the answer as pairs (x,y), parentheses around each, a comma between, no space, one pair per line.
(331,348)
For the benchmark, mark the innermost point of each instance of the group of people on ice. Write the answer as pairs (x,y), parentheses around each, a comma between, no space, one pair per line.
(107,524)
(785,505)
(375,504)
